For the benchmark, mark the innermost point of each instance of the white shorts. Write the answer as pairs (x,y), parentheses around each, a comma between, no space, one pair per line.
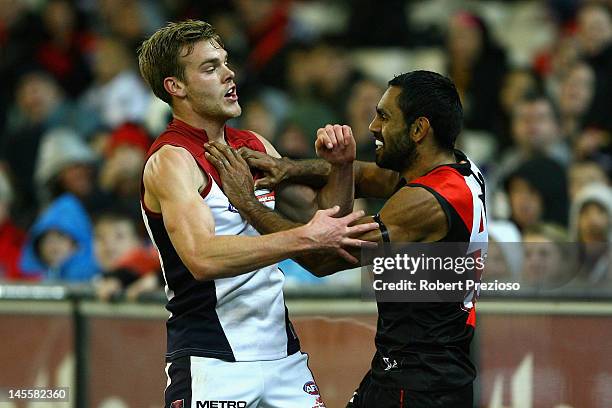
(199,382)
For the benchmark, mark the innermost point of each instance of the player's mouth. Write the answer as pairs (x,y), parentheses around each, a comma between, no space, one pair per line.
(379,141)
(231,94)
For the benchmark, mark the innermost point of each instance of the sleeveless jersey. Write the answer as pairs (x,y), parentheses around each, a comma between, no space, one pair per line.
(242,318)
(425,346)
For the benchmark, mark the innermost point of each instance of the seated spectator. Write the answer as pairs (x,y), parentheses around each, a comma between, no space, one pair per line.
(118,95)
(591,228)
(547,263)
(40,106)
(575,97)
(59,246)
(128,266)
(11,237)
(66,164)
(121,171)
(505,253)
(63,53)
(537,192)
(595,38)
(475,59)
(582,174)
(515,85)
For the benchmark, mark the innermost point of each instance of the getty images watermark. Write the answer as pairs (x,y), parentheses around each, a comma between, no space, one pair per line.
(453,272)
(417,272)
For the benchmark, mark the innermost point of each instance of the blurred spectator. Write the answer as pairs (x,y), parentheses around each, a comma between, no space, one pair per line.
(547,263)
(584,173)
(516,84)
(535,131)
(63,52)
(505,252)
(537,193)
(12,238)
(20,33)
(591,228)
(59,245)
(39,106)
(319,90)
(388,29)
(594,144)
(126,263)
(118,95)
(65,164)
(120,175)
(267,29)
(128,20)
(477,66)
(359,113)
(575,97)
(595,36)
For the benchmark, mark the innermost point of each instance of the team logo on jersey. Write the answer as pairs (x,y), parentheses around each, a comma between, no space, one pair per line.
(311,388)
(231,208)
(390,363)
(178,404)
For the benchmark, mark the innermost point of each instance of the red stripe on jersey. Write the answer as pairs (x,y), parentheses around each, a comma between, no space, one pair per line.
(451,185)
(471,320)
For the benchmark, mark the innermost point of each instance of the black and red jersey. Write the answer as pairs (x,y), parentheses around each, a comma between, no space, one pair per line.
(426,346)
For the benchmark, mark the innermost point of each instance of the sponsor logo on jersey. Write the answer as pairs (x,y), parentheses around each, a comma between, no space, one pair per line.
(311,388)
(221,404)
(264,198)
(178,404)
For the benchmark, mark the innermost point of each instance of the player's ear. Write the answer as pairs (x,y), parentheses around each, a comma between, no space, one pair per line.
(419,129)
(175,87)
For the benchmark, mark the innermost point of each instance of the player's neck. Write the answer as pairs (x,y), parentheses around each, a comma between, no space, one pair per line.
(427,162)
(215,129)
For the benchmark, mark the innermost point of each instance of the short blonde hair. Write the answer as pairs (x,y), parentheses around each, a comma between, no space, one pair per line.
(159,55)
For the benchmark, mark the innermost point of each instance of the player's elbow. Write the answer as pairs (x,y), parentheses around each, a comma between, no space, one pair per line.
(203,269)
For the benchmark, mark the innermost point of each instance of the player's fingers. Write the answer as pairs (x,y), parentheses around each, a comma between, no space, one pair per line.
(348,257)
(265,182)
(358,243)
(329,129)
(226,151)
(347,132)
(361,228)
(324,139)
(355,215)
(214,152)
(339,135)
(330,212)
(238,159)
(215,161)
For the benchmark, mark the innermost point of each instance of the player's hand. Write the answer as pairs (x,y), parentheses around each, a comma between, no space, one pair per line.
(327,232)
(336,144)
(235,174)
(275,169)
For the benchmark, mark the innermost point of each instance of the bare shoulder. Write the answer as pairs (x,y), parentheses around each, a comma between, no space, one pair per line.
(413,214)
(269,147)
(171,168)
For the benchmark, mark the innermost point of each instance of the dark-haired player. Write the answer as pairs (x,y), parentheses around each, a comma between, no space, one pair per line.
(434,193)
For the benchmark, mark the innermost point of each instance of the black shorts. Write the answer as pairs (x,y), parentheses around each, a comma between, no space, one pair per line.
(372,395)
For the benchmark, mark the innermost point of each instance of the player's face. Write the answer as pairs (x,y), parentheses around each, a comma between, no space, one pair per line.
(395,150)
(209,83)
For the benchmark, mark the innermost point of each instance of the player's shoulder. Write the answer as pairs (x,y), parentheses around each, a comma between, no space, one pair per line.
(252,140)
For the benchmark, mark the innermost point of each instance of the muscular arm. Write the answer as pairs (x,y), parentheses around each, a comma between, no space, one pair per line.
(172,180)
(371,181)
(411,215)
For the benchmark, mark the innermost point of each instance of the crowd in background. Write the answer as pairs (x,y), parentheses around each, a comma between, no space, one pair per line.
(76,119)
